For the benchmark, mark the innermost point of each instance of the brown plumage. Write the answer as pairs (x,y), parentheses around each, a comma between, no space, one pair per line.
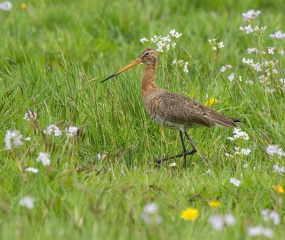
(173,110)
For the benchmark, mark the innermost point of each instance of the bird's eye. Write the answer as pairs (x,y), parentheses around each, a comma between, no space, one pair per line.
(147,53)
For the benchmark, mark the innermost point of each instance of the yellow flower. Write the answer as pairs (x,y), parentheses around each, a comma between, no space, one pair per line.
(214,204)
(279,189)
(190,214)
(23,6)
(211,102)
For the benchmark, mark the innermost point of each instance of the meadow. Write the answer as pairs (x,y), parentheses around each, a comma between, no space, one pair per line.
(77,156)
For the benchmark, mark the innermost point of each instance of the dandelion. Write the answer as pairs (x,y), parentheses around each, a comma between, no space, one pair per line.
(6,6)
(235,182)
(211,102)
(27,202)
(53,129)
(13,139)
(33,170)
(172,164)
(72,131)
(251,14)
(214,204)
(44,158)
(23,6)
(260,231)
(190,214)
(150,214)
(30,116)
(279,189)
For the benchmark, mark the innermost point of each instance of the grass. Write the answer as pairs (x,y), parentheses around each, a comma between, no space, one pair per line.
(50,54)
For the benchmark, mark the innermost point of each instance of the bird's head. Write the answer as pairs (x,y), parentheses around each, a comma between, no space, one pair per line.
(147,56)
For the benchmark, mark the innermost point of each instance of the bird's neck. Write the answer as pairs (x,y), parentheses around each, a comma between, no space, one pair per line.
(148,80)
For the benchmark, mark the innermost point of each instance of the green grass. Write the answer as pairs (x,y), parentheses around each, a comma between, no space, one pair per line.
(50,54)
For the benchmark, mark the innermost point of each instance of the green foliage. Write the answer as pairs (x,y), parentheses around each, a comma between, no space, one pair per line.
(54,54)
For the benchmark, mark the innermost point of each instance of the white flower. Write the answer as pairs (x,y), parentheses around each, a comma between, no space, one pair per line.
(44,158)
(279,170)
(235,182)
(143,40)
(209,171)
(27,202)
(34,170)
(216,44)
(6,6)
(30,116)
(245,165)
(220,45)
(273,215)
(274,149)
(247,61)
(278,35)
(13,139)
(281,52)
(219,222)
(243,151)
(248,29)
(99,156)
(229,219)
(252,50)
(172,164)
(150,214)
(231,77)
(53,129)
(185,68)
(224,68)
(260,231)
(270,50)
(249,82)
(237,133)
(72,131)
(251,14)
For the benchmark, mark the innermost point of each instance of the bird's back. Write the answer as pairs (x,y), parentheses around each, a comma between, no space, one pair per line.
(180,112)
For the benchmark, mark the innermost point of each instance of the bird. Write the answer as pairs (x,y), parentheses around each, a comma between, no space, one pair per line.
(173,110)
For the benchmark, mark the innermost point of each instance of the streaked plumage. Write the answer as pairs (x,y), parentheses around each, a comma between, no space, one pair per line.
(173,110)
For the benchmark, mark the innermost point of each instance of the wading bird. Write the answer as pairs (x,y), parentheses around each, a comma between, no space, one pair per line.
(173,110)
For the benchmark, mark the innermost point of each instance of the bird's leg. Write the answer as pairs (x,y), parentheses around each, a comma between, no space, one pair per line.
(184,154)
(184,148)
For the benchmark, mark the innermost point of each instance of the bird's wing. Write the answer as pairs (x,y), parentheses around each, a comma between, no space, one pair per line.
(181,109)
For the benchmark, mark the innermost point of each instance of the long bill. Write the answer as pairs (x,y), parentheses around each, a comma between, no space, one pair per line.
(134,63)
